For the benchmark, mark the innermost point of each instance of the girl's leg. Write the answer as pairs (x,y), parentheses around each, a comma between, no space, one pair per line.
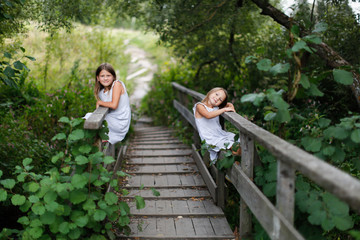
(236,149)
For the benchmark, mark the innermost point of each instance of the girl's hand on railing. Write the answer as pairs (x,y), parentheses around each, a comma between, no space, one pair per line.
(229,107)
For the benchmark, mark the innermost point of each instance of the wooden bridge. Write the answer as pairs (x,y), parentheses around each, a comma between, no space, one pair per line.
(192,196)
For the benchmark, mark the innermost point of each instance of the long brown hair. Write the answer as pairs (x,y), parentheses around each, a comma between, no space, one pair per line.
(98,86)
(224,102)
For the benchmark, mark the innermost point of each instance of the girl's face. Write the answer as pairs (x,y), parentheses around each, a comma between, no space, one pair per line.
(216,98)
(105,78)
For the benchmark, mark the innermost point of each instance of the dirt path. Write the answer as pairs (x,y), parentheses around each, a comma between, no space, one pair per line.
(141,71)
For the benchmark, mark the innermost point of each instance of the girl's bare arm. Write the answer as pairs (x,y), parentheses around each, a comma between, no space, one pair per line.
(116,93)
(202,112)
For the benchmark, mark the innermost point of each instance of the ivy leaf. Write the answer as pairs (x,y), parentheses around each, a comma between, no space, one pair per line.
(343,77)
(264,65)
(140,203)
(111,198)
(155,192)
(304,81)
(99,215)
(76,135)
(355,136)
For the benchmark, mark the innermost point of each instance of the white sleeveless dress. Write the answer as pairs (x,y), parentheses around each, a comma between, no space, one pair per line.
(210,130)
(118,120)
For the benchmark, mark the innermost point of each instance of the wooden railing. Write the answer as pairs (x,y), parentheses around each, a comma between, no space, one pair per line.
(276,220)
(94,122)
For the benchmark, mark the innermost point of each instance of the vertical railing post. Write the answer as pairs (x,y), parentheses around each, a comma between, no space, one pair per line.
(247,165)
(285,190)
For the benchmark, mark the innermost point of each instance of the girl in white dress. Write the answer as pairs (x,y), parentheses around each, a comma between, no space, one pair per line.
(207,114)
(111,93)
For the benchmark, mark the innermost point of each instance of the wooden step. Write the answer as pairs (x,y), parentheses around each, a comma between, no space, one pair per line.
(180,228)
(170,194)
(159,160)
(158,147)
(158,153)
(162,169)
(157,142)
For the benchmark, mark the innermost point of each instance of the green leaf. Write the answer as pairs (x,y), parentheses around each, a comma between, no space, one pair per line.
(36,232)
(81,160)
(343,77)
(89,205)
(249,59)
(52,206)
(50,196)
(324,122)
(48,218)
(355,136)
(8,183)
(77,196)
(27,161)
(264,65)
(311,144)
(25,207)
(248,97)
(317,217)
(304,81)
(111,198)
(155,192)
(64,120)
(59,136)
(85,149)
(314,91)
(18,199)
(327,224)
(24,220)
(269,189)
(280,68)
(18,65)
(81,221)
(7,55)
(298,46)
(108,160)
(76,135)
(295,30)
(99,215)
(64,228)
(320,27)
(124,208)
(124,221)
(33,187)
(336,132)
(3,195)
(140,203)
(38,208)
(313,39)
(302,185)
(31,58)
(79,181)
(343,223)
(75,233)
(335,206)
(9,72)
(269,116)
(76,122)
(1,173)
(283,115)
(328,151)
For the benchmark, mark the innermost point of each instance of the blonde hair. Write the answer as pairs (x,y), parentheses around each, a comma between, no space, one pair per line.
(224,102)
(98,86)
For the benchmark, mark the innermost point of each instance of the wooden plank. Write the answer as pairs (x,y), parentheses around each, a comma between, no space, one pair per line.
(147,180)
(173,180)
(157,142)
(194,94)
(221,226)
(204,173)
(247,165)
(210,207)
(165,227)
(187,180)
(184,227)
(196,207)
(163,207)
(161,181)
(174,193)
(162,146)
(160,160)
(189,116)
(285,191)
(331,178)
(203,227)
(269,217)
(159,153)
(96,118)
(179,207)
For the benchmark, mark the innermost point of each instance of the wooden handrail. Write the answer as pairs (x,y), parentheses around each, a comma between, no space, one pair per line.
(277,221)
(96,118)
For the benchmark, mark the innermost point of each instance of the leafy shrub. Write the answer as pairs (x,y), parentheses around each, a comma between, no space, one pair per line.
(69,200)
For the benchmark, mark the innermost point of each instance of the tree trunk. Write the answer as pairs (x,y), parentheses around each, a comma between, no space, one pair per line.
(332,58)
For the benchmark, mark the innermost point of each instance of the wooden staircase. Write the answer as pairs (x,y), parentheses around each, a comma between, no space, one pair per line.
(184,210)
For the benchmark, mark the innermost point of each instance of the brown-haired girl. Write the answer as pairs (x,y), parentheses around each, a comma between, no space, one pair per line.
(207,114)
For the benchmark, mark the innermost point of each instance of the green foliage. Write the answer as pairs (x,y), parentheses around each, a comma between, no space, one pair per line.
(68,200)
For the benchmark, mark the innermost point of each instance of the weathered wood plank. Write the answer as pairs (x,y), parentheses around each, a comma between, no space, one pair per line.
(174,193)
(96,118)
(269,217)
(221,227)
(160,160)
(203,226)
(184,227)
(157,147)
(165,227)
(209,181)
(331,178)
(157,142)
(159,153)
